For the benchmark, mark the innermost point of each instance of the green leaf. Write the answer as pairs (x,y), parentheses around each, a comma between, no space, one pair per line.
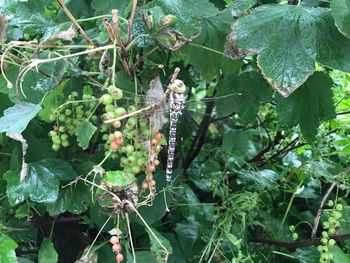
(189,13)
(47,252)
(240,7)
(85,133)
(339,255)
(7,249)
(74,199)
(289,40)
(158,248)
(188,234)
(118,178)
(17,117)
(243,95)
(105,7)
(341,13)
(213,35)
(42,183)
(264,180)
(308,105)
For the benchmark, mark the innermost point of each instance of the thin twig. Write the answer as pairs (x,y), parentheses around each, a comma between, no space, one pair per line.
(98,234)
(317,218)
(130,236)
(75,22)
(131,20)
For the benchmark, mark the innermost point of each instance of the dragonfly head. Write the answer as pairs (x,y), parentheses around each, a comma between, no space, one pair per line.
(178,86)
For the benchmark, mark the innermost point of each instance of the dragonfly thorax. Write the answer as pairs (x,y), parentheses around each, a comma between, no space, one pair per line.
(178,86)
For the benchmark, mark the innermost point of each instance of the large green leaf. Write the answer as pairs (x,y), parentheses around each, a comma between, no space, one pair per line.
(289,40)
(213,35)
(341,14)
(7,249)
(158,248)
(188,13)
(308,105)
(243,94)
(47,252)
(17,117)
(339,255)
(240,7)
(105,7)
(42,183)
(85,133)
(74,199)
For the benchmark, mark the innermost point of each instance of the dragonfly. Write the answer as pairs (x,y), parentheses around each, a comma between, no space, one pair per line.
(174,107)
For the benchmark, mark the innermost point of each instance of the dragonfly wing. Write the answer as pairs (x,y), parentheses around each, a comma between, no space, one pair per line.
(153,95)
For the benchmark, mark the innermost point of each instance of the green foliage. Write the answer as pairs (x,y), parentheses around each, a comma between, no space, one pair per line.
(262,142)
(16,118)
(47,252)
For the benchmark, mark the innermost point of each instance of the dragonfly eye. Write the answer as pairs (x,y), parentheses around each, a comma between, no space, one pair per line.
(178,86)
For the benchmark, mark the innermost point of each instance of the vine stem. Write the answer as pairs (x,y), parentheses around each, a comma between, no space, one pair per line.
(131,20)
(75,22)
(318,216)
(130,236)
(98,234)
(207,48)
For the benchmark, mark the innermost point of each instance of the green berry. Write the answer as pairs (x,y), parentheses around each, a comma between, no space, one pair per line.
(120,111)
(291,228)
(106,99)
(62,129)
(132,108)
(331,230)
(331,242)
(68,112)
(324,234)
(109,108)
(330,203)
(295,236)
(56,147)
(336,214)
(324,241)
(74,94)
(325,225)
(64,137)
(65,144)
(52,133)
(52,118)
(339,207)
(320,248)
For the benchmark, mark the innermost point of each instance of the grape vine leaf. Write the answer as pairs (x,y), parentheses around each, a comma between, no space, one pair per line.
(243,94)
(7,249)
(85,133)
(157,248)
(17,117)
(104,7)
(341,13)
(213,35)
(189,13)
(47,252)
(42,184)
(339,255)
(240,7)
(74,199)
(311,103)
(289,40)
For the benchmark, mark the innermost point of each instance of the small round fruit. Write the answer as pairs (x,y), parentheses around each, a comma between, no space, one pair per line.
(339,207)
(151,168)
(52,133)
(154,142)
(114,240)
(331,242)
(106,99)
(118,135)
(64,137)
(56,147)
(62,129)
(135,169)
(325,225)
(65,144)
(336,214)
(156,162)
(144,186)
(152,183)
(295,236)
(129,149)
(52,118)
(330,203)
(116,248)
(291,228)
(109,108)
(158,136)
(117,124)
(119,141)
(111,137)
(324,234)
(324,241)
(120,111)
(114,146)
(117,94)
(119,257)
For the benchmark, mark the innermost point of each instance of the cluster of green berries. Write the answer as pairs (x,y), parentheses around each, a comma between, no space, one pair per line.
(330,226)
(126,138)
(294,234)
(69,117)
(117,248)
